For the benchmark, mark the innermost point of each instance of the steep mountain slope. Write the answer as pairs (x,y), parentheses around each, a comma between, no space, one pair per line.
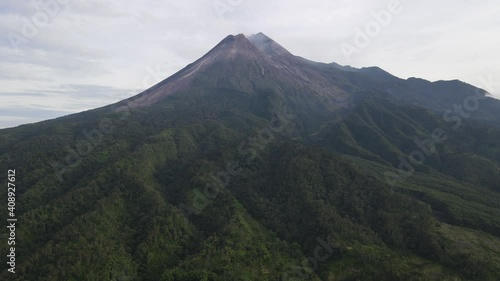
(254,164)
(236,63)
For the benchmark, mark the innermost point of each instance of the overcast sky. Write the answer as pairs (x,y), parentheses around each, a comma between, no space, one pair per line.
(59,57)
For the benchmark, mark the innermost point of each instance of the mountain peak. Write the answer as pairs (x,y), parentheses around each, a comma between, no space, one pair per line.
(231,46)
(240,60)
(267,45)
(234,38)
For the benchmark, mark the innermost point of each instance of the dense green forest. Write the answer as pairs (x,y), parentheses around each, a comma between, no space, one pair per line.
(138,207)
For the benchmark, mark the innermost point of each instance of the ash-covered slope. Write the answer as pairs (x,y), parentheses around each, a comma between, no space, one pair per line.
(252,64)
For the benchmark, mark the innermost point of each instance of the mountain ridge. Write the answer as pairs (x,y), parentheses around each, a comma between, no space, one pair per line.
(268,60)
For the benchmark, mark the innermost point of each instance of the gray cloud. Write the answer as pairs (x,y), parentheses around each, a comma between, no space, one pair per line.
(93,52)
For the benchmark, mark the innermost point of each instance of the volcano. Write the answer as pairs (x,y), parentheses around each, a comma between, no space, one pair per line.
(252,64)
(252,163)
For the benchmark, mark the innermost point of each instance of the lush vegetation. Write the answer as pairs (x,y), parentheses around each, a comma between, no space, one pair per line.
(203,186)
